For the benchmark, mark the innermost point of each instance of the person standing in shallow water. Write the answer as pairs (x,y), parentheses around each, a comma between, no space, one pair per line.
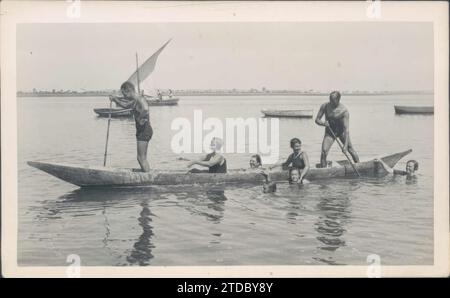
(337,120)
(144,131)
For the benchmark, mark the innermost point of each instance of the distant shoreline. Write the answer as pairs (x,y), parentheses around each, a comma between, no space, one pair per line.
(219,93)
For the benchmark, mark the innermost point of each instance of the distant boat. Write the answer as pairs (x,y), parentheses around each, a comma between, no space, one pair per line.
(288,113)
(152,101)
(414,109)
(115,112)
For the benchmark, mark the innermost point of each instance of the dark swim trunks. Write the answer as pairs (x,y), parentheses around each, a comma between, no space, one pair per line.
(144,132)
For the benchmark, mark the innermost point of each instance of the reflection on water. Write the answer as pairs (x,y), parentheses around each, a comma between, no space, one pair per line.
(142,249)
(333,213)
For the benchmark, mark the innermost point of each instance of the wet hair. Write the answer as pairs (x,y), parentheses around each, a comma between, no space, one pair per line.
(416,164)
(337,94)
(290,173)
(270,187)
(258,158)
(127,86)
(295,140)
(218,142)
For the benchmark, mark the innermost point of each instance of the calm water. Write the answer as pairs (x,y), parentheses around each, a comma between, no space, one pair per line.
(327,222)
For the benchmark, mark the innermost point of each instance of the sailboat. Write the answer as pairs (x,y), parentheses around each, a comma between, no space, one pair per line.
(140,75)
(143,72)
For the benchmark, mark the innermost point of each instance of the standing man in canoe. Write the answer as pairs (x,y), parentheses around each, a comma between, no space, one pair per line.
(336,120)
(144,131)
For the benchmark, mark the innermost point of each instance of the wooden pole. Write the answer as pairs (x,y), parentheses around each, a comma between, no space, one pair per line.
(107,133)
(342,148)
(137,74)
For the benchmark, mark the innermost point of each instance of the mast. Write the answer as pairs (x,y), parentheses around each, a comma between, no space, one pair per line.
(137,73)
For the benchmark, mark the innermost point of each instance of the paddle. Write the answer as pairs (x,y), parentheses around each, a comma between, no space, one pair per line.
(107,133)
(342,148)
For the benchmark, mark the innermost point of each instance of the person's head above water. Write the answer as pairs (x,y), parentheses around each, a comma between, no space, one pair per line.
(216,144)
(294,175)
(335,98)
(269,187)
(128,90)
(296,144)
(255,161)
(411,167)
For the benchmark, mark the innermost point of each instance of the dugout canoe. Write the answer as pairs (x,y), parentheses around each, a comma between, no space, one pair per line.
(414,109)
(116,177)
(115,112)
(288,113)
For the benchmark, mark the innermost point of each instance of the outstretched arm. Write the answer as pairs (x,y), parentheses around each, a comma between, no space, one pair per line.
(217,159)
(283,165)
(122,102)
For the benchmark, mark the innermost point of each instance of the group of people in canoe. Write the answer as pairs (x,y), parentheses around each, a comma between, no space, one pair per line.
(336,125)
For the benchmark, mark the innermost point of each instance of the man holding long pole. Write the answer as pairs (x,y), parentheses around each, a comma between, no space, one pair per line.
(336,128)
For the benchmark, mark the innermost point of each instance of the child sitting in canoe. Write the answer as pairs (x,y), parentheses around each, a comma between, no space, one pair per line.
(411,167)
(214,161)
(298,159)
(144,131)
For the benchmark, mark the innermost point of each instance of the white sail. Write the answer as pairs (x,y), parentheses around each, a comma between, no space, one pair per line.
(146,68)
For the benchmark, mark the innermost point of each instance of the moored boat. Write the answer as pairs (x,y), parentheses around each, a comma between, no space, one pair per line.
(115,112)
(288,113)
(414,109)
(116,177)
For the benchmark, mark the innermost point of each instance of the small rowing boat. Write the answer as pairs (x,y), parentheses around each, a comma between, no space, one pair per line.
(288,113)
(115,112)
(162,102)
(414,109)
(115,177)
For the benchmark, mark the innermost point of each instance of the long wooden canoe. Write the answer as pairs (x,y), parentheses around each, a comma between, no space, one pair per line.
(115,177)
(288,113)
(414,109)
(115,112)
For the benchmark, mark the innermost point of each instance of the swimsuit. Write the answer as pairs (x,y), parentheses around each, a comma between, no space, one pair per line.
(337,125)
(218,168)
(144,131)
(296,161)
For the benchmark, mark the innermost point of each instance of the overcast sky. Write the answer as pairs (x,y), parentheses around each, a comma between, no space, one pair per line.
(320,56)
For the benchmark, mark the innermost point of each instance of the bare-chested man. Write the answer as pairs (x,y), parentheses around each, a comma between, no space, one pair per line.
(336,119)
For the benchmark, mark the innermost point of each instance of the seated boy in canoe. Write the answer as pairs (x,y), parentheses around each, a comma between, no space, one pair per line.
(411,167)
(298,159)
(214,161)
(144,131)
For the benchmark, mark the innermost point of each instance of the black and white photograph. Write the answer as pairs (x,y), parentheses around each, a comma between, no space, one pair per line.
(197,136)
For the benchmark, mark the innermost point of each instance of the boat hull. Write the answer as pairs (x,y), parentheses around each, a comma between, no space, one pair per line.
(414,109)
(114,177)
(288,113)
(115,112)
